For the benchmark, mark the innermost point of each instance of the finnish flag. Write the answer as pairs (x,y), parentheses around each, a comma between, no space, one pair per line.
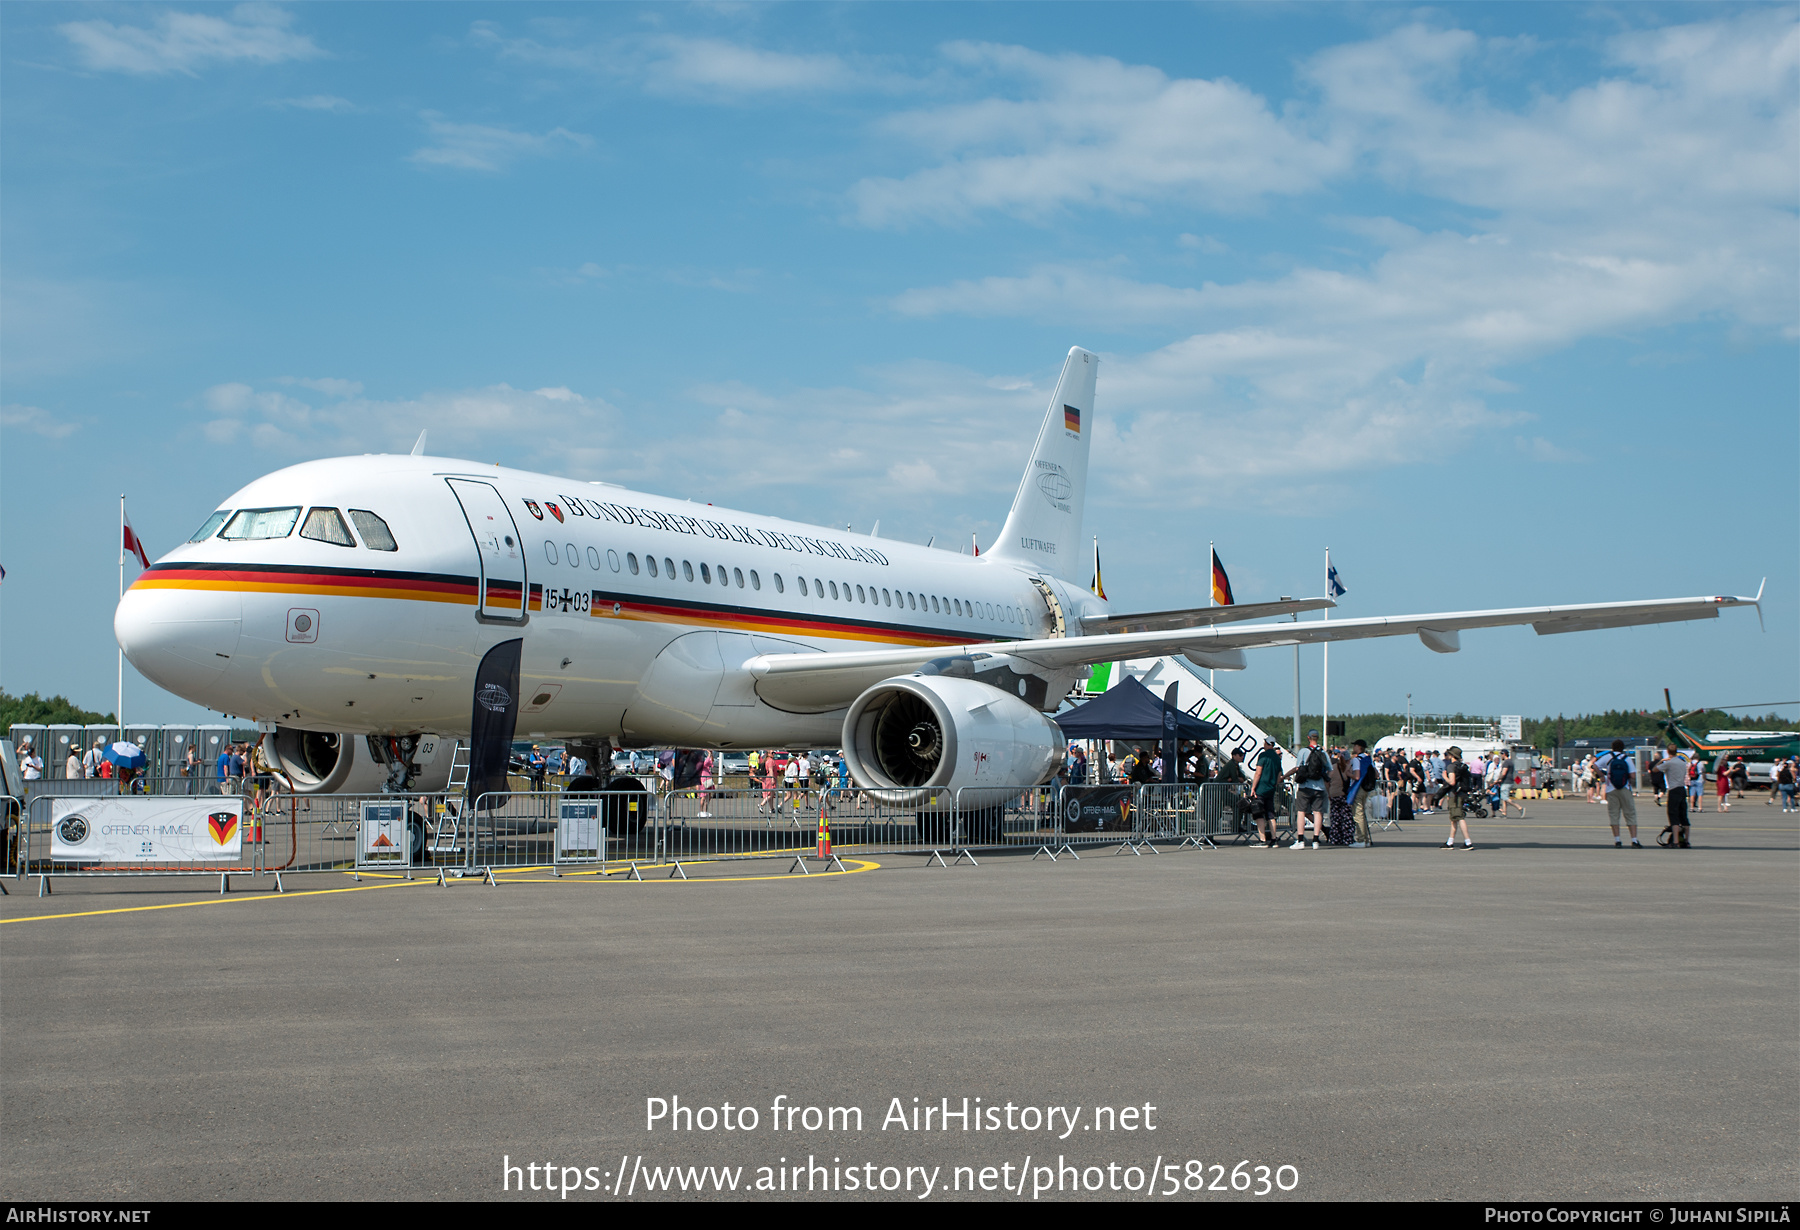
(1333,584)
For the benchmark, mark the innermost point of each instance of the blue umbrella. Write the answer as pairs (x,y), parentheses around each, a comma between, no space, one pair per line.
(126,755)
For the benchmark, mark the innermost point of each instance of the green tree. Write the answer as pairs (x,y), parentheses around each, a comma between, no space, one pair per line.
(32,709)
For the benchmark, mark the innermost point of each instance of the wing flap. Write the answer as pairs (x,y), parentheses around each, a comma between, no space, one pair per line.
(1200,616)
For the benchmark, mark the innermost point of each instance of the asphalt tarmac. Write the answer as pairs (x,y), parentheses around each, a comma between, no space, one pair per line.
(1544,1017)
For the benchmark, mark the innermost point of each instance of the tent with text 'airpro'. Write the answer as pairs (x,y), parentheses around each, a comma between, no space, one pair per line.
(1129,710)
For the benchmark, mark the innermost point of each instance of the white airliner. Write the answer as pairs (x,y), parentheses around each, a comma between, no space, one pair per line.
(357,596)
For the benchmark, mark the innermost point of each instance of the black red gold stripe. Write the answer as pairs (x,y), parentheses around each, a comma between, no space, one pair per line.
(298,579)
(503,595)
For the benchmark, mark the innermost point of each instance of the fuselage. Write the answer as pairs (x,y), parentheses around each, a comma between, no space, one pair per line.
(361,593)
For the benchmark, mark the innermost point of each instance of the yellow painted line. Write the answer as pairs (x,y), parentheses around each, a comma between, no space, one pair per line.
(182,905)
(623,874)
(596,876)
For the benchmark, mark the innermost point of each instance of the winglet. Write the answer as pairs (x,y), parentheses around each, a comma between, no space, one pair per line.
(1757,603)
(418,448)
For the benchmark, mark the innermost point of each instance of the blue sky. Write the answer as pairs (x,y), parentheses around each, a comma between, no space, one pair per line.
(1497,302)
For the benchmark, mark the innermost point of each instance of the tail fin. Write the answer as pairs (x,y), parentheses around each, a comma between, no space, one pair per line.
(1044,527)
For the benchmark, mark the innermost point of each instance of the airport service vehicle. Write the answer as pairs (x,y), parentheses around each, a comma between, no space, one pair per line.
(358,596)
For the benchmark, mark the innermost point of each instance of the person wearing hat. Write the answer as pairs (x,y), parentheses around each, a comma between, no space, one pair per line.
(1456,776)
(1264,785)
(31,765)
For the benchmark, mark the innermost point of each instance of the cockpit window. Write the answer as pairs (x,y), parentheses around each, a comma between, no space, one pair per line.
(212,526)
(261,523)
(374,530)
(327,525)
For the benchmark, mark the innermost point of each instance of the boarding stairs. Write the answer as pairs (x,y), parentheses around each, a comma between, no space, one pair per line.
(447,839)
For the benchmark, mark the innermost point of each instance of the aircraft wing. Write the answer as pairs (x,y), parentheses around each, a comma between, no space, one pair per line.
(1162,621)
(820,682)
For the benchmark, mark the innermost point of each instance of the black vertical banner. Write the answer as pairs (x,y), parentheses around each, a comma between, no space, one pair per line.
(1171,739)
(492,720)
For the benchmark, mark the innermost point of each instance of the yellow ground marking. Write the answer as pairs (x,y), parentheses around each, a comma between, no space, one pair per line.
(861,865)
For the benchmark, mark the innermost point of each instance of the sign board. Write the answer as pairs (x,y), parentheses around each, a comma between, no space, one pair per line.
(381,836)
(578,831)
(146,830)
(1512,727)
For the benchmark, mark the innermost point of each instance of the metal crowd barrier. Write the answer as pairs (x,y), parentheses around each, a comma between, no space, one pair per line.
(395,834)
(114,835)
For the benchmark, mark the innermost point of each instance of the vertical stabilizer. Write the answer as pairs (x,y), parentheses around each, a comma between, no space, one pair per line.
(1044,527)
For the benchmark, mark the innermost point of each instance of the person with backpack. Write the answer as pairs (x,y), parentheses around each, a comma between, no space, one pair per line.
(1311,772)
(1363,785)
(1456,779)
(1265,785)
(1617,777)
(1786,780)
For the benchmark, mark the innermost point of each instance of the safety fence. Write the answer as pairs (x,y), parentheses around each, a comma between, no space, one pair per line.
(623,832)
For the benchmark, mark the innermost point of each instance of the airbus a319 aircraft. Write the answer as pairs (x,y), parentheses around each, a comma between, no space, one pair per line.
(361,596)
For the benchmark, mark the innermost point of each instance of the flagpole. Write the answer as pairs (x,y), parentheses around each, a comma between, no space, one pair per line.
(1212,556)
(1325,682)
(119,711)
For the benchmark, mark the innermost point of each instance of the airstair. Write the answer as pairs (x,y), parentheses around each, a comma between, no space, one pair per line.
(447,839)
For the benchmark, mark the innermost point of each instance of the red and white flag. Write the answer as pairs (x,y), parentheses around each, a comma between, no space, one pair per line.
(133,543)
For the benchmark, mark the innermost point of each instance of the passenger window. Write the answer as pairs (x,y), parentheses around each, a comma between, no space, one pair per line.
(550,551)
(834,591)
(212,526)
(687,570)
(801,582)
(958,606)
(705,573)
(261,523)
(912,602)
(650,563)
(631,562)
(887,599)
(612,560)
(594,560)
(738,575)
(860,596)
(374,530)
(779,587)
(669,567)
(755,581)
(327,525)
(574,554)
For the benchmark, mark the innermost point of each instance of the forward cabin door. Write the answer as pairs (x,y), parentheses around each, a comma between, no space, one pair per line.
(499,548)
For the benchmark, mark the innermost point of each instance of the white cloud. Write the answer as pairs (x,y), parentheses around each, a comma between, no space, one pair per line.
(1090,131)
(676,64)
(184,42)
(716,66)
(546,426)
(317,102)
(490,147)
(1660,195)
(38,421)
(325,384)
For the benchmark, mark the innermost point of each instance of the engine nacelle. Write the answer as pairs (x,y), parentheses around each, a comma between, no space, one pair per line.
(920,738)
(330,762)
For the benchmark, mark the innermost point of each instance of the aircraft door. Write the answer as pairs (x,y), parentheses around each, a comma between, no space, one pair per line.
(499,548)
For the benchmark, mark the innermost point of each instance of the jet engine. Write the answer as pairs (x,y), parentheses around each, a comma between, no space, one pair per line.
(331,762)
(920,738)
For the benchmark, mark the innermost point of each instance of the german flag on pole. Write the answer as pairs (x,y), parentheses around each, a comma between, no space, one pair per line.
(1221,582)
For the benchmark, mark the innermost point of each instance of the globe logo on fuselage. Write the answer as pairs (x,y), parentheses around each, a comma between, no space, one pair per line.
(1055,485)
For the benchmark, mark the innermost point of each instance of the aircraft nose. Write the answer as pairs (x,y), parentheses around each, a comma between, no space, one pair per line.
(179,639)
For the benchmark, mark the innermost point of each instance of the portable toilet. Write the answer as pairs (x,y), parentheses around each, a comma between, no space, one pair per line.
(148,736)
(212,740)
(171,763)
(39,735)
(61,738)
